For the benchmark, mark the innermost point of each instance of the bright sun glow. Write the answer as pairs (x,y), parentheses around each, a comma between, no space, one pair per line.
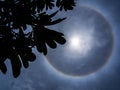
(75,42)
(80,44)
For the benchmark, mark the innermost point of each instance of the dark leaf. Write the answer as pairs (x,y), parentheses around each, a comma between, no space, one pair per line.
(56,21)
(65,4)
(51,43)
(45,19)
(15,62)
(60,40)
(3,67)
(24,61)
(41,47)
(31,57)
(53,14)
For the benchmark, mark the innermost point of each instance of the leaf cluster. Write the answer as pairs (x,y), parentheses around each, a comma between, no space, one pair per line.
(15,16)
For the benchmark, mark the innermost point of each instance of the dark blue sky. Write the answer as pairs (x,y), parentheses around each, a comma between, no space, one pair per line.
(40,76)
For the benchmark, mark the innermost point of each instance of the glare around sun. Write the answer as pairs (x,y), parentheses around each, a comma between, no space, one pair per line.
(79,44)
(75,42)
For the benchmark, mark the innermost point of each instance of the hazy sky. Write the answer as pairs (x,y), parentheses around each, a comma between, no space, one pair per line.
(41,76)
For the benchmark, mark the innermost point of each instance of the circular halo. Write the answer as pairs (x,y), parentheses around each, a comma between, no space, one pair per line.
(89,43)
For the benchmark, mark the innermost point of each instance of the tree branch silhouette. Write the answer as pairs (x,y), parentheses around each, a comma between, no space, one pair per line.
(15,16)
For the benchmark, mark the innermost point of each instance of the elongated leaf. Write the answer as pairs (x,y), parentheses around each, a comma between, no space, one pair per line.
(51,43)
(56,21)
(53,14)
(16,64)
(24,61)
(31,57)
(60,40)
(3,68)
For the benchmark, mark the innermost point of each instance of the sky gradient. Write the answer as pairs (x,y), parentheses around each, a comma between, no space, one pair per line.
(41,76)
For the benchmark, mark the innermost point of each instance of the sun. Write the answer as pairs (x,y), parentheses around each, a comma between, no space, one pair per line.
(75,42)
(80,44)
